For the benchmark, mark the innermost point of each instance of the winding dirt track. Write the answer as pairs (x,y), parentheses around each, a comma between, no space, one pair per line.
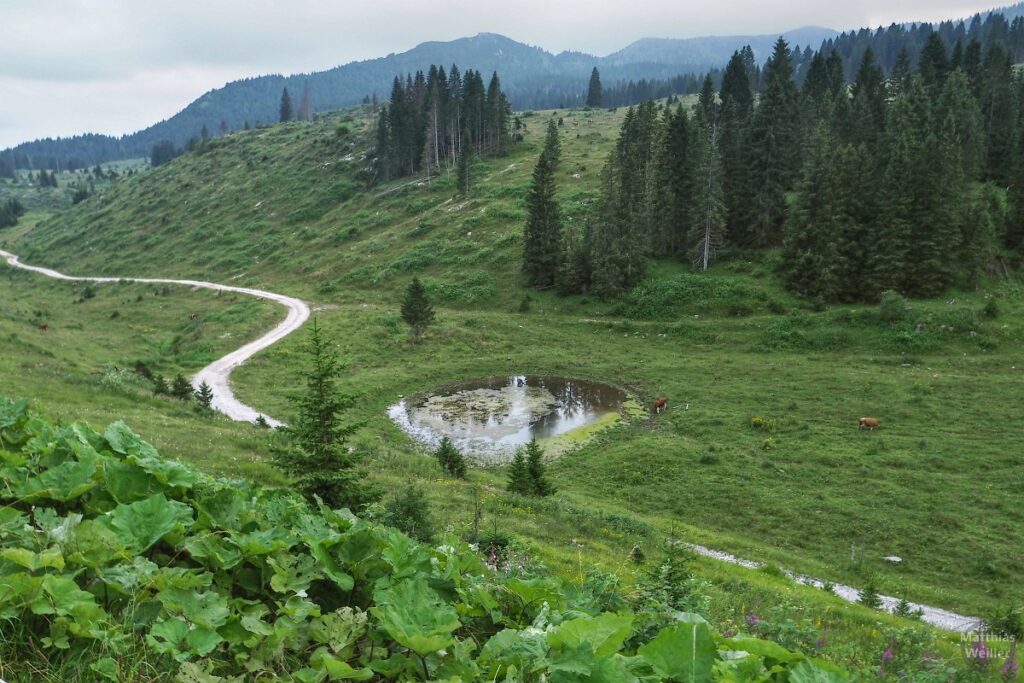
(217,373)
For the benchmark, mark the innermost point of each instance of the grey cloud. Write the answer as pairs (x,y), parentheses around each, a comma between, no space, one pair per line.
(60,50)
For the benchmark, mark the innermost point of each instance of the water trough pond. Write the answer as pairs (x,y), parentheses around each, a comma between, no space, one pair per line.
(488,419)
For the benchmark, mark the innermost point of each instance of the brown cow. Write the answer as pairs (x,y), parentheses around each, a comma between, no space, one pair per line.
(868,423)
(660,404)
(43,326)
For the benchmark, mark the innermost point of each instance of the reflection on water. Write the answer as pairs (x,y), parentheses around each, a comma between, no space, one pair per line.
(494,416)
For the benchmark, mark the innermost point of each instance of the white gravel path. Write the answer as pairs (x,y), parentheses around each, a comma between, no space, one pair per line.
(217,373)
(949,621)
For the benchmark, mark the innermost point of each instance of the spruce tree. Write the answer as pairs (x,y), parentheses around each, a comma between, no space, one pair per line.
(286,107)
(708,215)
(595,93)
(318,458)
(204,395)
(180,388)
(809,248)
(417,311)
(538,481)
(450,459)
(626,216)
(674,202)
(519,475)
(542,234)
(409,512)
(775,148)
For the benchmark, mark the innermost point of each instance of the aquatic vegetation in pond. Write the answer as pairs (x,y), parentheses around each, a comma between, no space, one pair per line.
(488,419)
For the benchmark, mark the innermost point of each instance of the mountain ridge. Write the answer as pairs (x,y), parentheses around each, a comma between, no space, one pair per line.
(532,76)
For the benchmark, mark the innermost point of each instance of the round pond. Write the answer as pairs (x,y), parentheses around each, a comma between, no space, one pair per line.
(490,418)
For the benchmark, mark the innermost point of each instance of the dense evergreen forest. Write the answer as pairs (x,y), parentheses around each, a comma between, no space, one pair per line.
(432,120)
(911,182)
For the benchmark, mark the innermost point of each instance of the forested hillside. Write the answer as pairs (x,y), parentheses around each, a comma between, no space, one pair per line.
(532,78)
(911,183)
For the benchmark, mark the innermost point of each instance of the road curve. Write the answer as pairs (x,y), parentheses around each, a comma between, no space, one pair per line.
(217,373)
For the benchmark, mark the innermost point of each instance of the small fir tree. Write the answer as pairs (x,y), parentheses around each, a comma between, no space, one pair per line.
(539,484)
(519,475)
(542,237)
(318,458)
(409,512)
(286,106)
(417,311)
(450,459)
(204,395)
(180,388)
(595,93)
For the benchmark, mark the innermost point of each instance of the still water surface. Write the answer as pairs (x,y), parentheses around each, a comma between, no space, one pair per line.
(492,417)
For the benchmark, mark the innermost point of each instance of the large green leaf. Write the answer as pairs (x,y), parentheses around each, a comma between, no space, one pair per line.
(95,544)
(293,573)
(509,649)
(65,482)
(771,652)
(604,634)
(684,652)
(140,525)
(168,637)
(127,482)
(330,566)
(338,669)
(126,442)
(213,551)
(413,614)
(814,671)
(12,412)
(51,557)
(208,609)
(339,630)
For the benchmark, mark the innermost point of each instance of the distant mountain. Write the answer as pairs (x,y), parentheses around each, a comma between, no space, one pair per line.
(531,76)
(713,51)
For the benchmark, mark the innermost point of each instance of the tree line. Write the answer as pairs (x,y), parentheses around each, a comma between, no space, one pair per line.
(432,120)
(10,212)
(894,183)
(887,43)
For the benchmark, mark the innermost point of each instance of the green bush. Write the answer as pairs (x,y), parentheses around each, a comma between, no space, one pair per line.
(893,307)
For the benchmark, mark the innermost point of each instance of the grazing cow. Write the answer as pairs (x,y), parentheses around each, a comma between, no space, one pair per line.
(43,326)
(194,316)
(660,404)
(868,423)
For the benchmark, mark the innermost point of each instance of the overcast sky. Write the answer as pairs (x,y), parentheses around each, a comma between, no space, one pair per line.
(115,66)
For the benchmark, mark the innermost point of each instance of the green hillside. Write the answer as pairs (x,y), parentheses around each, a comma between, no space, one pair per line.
(286,208)
(758,454)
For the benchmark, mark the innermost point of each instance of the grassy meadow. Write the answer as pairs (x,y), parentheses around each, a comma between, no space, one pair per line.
(758,454)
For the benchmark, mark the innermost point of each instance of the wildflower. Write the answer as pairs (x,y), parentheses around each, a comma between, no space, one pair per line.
(979,653)
(1010,667)
(752,619)
(887,655)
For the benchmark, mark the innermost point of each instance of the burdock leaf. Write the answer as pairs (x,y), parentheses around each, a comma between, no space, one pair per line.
(140,525)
